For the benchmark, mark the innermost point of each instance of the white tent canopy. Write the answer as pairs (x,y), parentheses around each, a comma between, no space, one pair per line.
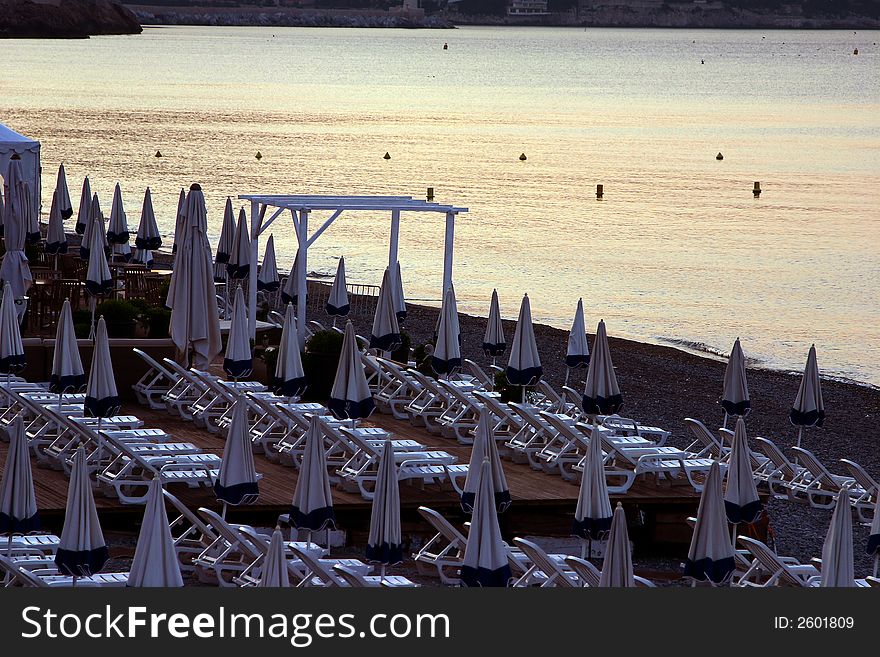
(29,150)
(301,207)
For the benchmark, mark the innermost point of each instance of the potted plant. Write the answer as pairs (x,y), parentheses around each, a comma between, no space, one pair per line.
(121,317)
(320,360)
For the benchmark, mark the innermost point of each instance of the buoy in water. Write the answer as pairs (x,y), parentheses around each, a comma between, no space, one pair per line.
(430,194)
(600,191)
(387,156)
(719,156)
(856,51)
(158,153)
(756,190)
(522,157)
(445,46)
(702,61)
(259,155)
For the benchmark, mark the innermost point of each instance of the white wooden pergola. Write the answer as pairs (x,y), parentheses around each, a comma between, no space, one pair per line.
(301,207)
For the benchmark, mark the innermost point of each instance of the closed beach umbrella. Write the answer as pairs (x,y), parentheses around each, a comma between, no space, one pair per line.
(56,237)
(617,567)
(237,480)
(592,519)
(741,501)
(180,220)
(14,269)
(735,397)
(493,339)
(446,358)
(12,359)
(267,280)
(99,281)
(808,409)
(385,335)
(67,369)
(142,257)
(95,231)
(32,215)
(274,571)
(195,321)
(227,237)
(63,193)
(148,237)
(2,207)
(837,550)
(485,556)
(350,397)
(384,544)
(601,392)
(84,211)
(578,352)
(18,504)
(397,295)
(337,303)
(485,447)
(121,252)
(82,550)
(117,231)
(290,291)
(312,506)
(524,365)
(239,265)
(155,558)
(289,379)
(102,398)
(710,556)
(238,361)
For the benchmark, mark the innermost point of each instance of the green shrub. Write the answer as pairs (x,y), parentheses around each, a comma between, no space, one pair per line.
(156,321)
(325,342)
(401,354)
(117,311)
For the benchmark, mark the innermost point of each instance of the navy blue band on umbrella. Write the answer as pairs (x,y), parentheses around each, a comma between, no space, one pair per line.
(502,501)
(118,238)
(595,529)
(387,553)
(346,409)
(471,576)
(747,513)
(221,258)
(33,238)
(813,418)
(153,243)
(401,315)
(578,360)
(238,368)
(872,548)
(244,493)
(126,257)
(495,349)
(717,572)
(81,563)
(602,405)
(12,525)
(448,366)
(528,376)
(56,248)
(387,342)
(96,288)
(79,228)
(739,408)
(238,271)
(271,286)
(337,311)
(12,363)
(290,387)
(61,384)
(286,298)
(316,520)
(67,214)
(105,407)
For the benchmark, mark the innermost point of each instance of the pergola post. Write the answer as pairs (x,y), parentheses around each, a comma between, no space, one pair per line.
(447,252)
(302,237)
(392,242)
(252,278)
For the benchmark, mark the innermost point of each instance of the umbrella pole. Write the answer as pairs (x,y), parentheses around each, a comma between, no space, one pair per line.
(92,325)
(309,540)
(876,562)
(223,512)
(724,426)
(800,431)
(583,549)
(382,574)
(567,374)
(733,536)
(523,394)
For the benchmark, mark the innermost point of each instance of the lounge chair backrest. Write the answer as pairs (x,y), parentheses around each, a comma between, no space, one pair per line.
(353,578)
(816,467)
(769,560)
(703,435)
(194,520)
(543,562)
(586,571)
(438,522)
(149,360)
(324,573)
(779,459)
(230,535)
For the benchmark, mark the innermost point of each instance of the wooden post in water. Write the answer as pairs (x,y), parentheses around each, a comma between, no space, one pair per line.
(430,194)
(600,191)
(757,189)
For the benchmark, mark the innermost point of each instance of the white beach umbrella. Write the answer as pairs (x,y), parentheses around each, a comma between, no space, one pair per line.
(601,392)
(195,321)
(12,359)
(592,518)
(710,556)
(485,555)
(14,269)
(239,265)
(237,480)
(180,228)
(397,295)
(102,398)
(385,334)
(617,567)
(99,280)
(809,408)
(95,231)
(227,236)
(289,379)
(32,215)
(735,396)
(148,237)
(494,343)
(524,365)
(312,506)
(142,257)
(82,550)
(84,211)
(238,361)
(56,237)
(18,504)
(155,561)
(267,279)
(117,231)
(63,193)
(873,546)
(741,501)
(578,353)
(485,447)
(67,369)
(837,550)
(337,303)
(121,252)
(290,290)
(350,396)
(446,358)
(384,544)
(273,573)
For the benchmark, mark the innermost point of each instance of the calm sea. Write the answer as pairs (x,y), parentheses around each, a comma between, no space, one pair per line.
(678,250)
